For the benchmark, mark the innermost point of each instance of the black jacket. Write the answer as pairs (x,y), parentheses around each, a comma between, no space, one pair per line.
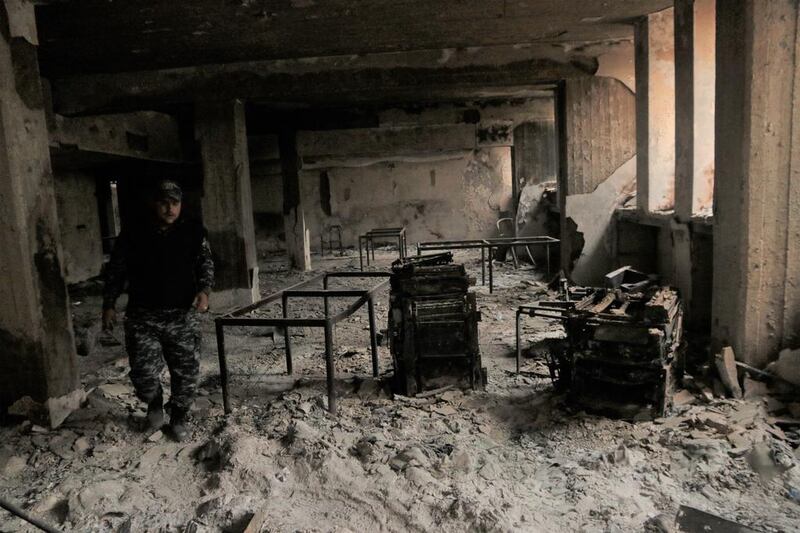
(164,269)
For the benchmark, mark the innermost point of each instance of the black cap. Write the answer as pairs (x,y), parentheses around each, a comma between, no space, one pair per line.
(168,189)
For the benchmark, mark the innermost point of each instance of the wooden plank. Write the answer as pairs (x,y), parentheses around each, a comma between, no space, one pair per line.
(257,522)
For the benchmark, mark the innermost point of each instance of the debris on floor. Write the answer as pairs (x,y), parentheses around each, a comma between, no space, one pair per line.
(513,457)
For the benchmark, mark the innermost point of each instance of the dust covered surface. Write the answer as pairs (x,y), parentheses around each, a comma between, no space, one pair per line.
(514,457)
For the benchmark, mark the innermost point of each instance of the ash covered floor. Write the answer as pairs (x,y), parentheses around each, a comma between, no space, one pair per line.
(514,457)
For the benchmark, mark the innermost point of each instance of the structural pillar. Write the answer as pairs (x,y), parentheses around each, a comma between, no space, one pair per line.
(298,237)
(227,201)
(695,53)
(37,347)
(756,288)
(695,43)
(655,112)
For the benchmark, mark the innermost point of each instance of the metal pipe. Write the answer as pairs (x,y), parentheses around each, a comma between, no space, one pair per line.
(548,259)
(271,298)
(491,271)
(320,293)
(350,274)
(483,265)
(287,341)
(18,512)
(373,338)
(279,322)
(223,364)
(519,346)
(352,308)
(325,287)
(329,368)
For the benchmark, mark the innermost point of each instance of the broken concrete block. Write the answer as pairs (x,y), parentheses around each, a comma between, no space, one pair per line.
(60,408)
(81,446)
(411,456)
(728,374)
(740,439)
(761,460)
(29,408)
(683,397)
(754,389)
(14,466)
(787,366)
(716,422)
(61,444)
(774,405)
(114,390)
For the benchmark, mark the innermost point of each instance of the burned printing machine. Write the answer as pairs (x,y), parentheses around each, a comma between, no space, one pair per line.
(623,351)
(433,325)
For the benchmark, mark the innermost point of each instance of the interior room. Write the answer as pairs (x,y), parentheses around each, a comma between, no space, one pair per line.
(409,265)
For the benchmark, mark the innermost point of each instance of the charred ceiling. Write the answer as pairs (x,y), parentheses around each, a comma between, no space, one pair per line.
(91,36)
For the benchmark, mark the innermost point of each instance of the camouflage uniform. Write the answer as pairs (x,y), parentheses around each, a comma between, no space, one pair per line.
(155,335)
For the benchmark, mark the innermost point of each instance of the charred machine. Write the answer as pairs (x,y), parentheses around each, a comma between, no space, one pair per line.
(433,325)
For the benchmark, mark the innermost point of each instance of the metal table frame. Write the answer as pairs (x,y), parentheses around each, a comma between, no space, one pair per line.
(575,299)
(331,229)
(554,310)
(237,318)
(490,245)
(369,237)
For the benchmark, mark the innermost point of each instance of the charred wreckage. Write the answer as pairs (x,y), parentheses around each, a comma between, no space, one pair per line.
(624,349)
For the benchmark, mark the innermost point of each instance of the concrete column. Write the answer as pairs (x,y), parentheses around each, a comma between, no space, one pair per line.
(655,111)
(227,201)
(298,237)
(37,348)
(695,53)
(756,295)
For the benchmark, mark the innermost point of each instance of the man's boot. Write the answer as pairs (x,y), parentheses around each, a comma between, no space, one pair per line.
(155,412)
(177,422)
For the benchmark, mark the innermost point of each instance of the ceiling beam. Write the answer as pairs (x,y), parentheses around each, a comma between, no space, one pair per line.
(422,76)
(94,36)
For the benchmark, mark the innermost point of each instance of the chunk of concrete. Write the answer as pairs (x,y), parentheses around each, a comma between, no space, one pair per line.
(787,366)
(754,389)
(60,408)
(728,374)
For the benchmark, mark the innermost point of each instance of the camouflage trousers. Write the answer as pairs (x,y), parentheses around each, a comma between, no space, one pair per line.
(153,337)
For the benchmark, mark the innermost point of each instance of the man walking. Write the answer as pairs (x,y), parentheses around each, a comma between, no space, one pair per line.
(166,262)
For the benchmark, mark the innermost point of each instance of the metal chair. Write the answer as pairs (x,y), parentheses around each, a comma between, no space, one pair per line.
(511,232)
(338,229)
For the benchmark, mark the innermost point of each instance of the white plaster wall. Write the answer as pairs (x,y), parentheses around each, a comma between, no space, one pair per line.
(431,170)
(593,214)
(457,197)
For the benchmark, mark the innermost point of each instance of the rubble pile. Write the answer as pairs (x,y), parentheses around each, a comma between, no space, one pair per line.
(513,457)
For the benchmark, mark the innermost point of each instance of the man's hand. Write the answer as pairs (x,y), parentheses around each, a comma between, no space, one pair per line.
(201,302)
(109,319)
